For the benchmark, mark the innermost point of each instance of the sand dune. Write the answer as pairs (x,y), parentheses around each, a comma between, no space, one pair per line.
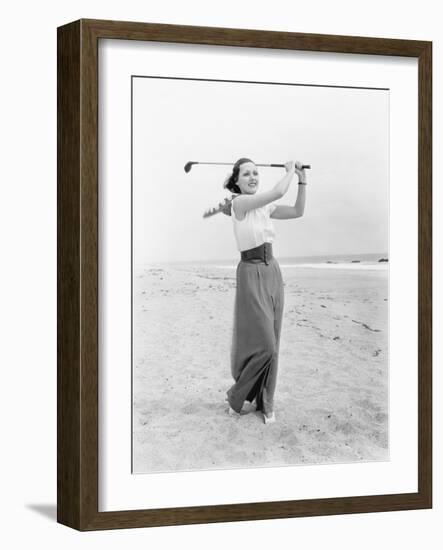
(331,401)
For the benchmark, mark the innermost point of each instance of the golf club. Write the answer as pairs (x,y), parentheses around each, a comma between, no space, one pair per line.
(189,164)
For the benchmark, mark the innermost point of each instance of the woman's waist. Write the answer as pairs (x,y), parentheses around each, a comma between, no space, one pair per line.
(261,253)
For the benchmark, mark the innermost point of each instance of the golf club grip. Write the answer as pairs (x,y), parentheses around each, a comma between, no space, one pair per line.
(304,166)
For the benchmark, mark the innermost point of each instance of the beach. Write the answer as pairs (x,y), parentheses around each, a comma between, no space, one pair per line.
(331,401)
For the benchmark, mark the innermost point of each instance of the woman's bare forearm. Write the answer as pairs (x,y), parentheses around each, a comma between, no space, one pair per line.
(300,201)
(286,212)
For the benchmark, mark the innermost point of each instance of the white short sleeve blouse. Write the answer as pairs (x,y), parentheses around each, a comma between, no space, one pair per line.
(255,228)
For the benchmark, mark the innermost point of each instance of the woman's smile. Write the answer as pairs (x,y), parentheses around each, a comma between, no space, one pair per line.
(248,178)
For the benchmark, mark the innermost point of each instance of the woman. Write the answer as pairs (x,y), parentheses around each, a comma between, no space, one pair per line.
(259,294)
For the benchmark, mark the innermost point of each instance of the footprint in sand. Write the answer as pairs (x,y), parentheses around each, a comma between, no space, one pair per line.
(345,428)
(189,409)
(233,433)
(381,417)
(292,441)
(286,432)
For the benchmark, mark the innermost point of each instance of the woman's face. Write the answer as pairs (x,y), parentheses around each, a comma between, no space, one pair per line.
(248,178)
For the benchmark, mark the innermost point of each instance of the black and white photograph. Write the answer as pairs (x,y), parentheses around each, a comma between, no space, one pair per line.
(260,274)
(222,291)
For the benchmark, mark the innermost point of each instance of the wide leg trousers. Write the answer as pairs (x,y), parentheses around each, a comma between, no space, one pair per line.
(258,314)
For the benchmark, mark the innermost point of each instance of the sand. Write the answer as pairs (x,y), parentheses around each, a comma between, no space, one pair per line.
(331,401)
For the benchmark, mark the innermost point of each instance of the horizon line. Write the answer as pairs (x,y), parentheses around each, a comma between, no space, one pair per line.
(280,258)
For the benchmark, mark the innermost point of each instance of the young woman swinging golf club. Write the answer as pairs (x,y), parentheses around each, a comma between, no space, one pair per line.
(259,292)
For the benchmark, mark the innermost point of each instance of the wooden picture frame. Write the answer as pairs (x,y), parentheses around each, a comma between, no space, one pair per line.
(77,275)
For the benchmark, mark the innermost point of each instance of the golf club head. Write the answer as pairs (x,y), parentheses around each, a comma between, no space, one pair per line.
(188,166)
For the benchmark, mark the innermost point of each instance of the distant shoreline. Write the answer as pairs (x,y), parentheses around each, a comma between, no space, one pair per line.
(337,261)
(356,267)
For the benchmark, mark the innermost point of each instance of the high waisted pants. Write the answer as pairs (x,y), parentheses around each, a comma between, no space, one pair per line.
(258,316)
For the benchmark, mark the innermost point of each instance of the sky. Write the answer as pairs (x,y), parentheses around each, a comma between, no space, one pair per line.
(343,133)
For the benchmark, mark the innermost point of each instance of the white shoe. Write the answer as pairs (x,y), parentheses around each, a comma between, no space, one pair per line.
(233,413)
(269,419)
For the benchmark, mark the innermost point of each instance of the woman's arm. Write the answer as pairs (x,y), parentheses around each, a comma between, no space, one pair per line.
(284,212)
(243,203)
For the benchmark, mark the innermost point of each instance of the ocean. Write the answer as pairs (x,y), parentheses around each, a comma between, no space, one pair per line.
(333,261)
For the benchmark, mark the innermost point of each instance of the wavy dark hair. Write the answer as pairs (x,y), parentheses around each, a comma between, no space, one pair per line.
(231,182)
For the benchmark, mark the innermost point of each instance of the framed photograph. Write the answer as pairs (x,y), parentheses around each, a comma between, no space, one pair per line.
(244,274)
